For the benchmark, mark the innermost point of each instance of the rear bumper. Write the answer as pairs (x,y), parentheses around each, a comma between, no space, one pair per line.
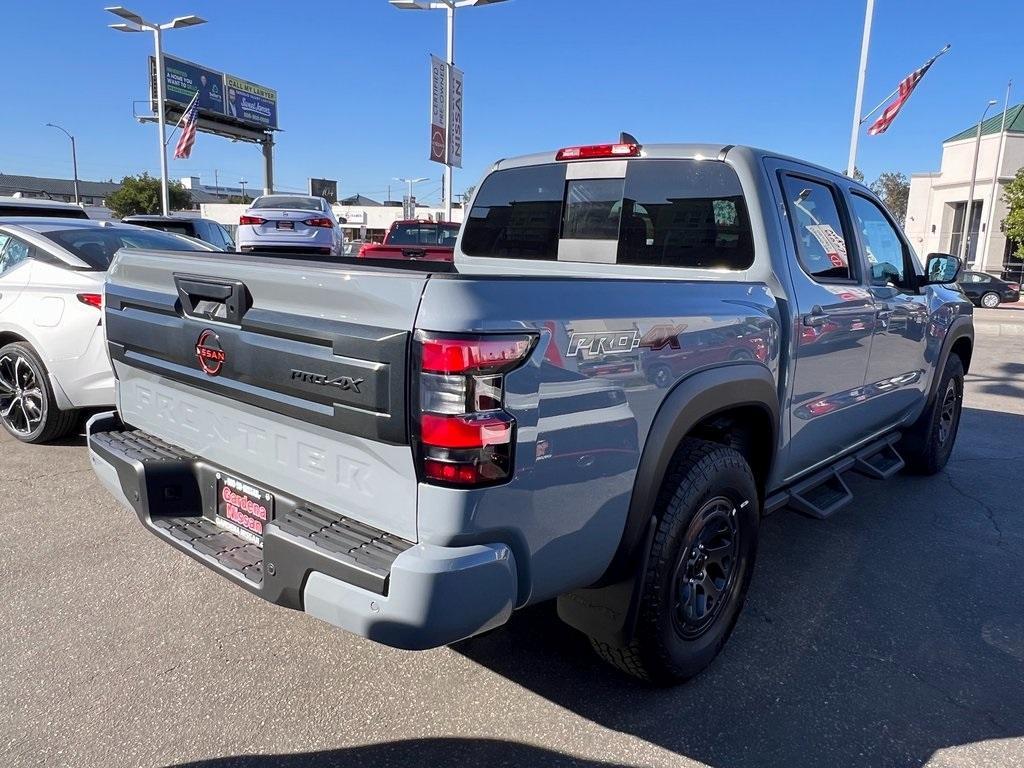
(412,596)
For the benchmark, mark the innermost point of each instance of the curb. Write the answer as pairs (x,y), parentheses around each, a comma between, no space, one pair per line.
(992,328)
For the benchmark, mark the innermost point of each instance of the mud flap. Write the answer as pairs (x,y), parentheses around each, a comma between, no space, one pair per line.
(609,613)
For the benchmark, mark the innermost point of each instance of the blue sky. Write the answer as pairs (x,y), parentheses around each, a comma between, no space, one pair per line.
(352,81)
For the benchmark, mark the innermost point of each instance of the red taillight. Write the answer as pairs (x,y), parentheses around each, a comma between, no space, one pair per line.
(464,436)
(596,151)
(250,220)
(92,299)
(477,355)
(1014,286)
(319,223)
(465,431)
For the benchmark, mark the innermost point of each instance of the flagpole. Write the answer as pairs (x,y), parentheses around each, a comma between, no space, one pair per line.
(986,236)
(865,44)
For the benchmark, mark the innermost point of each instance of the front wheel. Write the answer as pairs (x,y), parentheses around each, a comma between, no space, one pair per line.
(28,409)
(699,566)
(990,300)
(927,445)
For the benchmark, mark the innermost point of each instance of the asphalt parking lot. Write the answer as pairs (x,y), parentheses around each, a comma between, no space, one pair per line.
(892,634)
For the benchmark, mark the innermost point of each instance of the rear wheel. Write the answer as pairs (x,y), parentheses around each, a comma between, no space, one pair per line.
(990,300)
(28,409)
(927,445)
(699,566)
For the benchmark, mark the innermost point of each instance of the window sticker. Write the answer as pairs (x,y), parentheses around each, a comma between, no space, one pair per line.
(831,241)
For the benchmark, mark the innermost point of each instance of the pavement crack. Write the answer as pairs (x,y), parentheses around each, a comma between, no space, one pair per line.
(987,510)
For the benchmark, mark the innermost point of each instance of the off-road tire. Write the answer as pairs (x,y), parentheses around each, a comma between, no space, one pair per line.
(52,422)
(702,474)
(927,445)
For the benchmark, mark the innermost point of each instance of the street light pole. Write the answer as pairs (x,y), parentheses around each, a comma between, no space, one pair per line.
(449,7)
(448,113)
(995,179)
(969,207)
(135,23)
(74,158)
(161,118)
(242,183)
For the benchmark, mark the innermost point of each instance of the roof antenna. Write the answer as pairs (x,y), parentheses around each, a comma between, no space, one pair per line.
(627,138)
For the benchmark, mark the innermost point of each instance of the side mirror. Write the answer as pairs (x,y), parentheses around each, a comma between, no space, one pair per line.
(941,268)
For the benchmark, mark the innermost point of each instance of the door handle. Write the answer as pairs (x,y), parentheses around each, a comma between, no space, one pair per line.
(815,318)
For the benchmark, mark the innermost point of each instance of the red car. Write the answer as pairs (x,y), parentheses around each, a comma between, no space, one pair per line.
(422,240)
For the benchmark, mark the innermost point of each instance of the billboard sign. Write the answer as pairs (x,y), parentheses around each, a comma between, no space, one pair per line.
(455,119)
(229,98)
(182,79)
(250,103)
(438,78)
(325,188)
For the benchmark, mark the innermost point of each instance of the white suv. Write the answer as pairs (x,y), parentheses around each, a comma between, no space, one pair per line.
(53,357)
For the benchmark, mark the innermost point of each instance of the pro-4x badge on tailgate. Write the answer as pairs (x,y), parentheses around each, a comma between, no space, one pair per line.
(209,352)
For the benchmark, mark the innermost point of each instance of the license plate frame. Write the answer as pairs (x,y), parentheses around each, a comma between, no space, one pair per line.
(243,505)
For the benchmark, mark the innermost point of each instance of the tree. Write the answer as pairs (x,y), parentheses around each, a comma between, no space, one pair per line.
(468,193)
(1013,224)
(893,189)
(141,194)
(858,174)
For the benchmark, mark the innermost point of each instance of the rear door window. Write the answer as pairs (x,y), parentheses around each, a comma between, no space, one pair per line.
(664,213)
(821,241)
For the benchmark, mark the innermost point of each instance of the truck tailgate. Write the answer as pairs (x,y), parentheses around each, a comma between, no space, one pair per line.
(288,374)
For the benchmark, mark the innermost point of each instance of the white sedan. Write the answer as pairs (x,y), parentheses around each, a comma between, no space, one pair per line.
(53,356)
(290,224)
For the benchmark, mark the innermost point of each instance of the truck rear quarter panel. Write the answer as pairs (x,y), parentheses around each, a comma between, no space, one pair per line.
(608,353)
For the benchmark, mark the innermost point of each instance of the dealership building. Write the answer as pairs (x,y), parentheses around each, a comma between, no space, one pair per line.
(936,211)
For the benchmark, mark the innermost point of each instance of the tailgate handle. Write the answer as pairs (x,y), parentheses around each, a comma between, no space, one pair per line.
(208,299)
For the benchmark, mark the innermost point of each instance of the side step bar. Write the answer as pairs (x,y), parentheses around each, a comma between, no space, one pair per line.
(824,493)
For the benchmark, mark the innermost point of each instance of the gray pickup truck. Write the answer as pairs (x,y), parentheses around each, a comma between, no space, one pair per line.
(638,352)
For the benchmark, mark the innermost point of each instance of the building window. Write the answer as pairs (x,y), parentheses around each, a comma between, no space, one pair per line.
(957,233)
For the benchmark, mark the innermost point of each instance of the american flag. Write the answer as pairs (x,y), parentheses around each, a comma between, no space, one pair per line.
(188,130)
(906,87)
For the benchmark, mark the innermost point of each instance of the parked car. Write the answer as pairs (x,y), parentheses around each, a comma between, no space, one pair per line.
(206,230)
(28,206)
(290,224)
(420,240)
(53,360)
(368,444)
(987,290)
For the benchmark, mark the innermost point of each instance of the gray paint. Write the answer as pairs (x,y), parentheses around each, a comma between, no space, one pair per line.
(584,402)
(437,595)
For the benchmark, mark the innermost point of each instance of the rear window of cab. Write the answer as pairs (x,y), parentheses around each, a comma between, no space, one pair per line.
(666,213)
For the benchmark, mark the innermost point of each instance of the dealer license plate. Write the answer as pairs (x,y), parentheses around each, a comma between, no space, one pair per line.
(243,505)
(286,225)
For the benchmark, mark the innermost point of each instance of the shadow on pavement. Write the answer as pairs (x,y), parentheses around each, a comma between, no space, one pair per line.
(878,637)
(414,752)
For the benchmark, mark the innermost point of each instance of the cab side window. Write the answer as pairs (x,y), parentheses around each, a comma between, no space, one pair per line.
(817,229)
(883,249)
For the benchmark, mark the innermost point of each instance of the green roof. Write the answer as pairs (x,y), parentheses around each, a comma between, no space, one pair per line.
(1014,124)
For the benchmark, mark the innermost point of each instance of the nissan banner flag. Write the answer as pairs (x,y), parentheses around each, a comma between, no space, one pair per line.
(438,78)
(455,120)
